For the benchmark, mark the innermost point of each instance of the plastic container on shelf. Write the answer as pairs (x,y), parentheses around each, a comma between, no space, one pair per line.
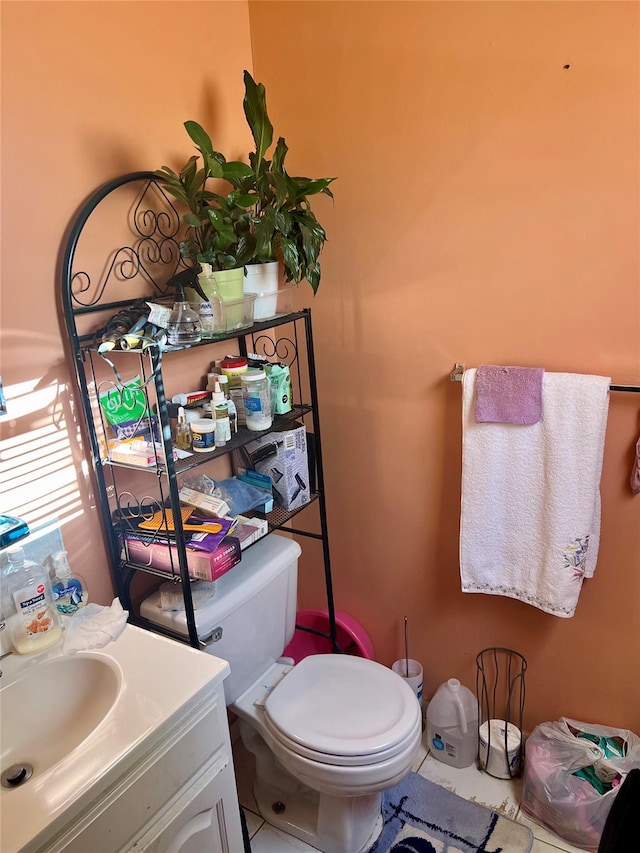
(452,724)
(256,396)
(203,435)
(233,366)
(238,313)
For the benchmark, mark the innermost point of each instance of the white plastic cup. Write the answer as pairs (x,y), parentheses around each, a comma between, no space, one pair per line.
(410,671)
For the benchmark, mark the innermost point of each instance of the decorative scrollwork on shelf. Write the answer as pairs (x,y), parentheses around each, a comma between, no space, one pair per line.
(151,257)
(283,349)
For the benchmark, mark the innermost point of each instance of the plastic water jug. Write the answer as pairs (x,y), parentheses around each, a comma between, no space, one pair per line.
(452,724)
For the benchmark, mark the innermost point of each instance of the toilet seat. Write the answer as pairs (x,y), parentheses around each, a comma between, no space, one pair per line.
(342,710)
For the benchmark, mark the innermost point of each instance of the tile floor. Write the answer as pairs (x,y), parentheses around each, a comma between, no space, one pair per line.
(470,783)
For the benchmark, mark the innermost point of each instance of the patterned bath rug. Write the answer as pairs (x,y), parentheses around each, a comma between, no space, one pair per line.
(421,817)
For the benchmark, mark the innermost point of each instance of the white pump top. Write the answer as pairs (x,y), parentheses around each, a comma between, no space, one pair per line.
(61,565)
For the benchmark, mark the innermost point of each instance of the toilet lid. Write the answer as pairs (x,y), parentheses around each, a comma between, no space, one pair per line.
(342,706)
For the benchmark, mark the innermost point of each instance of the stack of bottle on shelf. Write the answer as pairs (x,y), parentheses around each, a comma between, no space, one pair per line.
(194,314)
(271,469)
(240,392)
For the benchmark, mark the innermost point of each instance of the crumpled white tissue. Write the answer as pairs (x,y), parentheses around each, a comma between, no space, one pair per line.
(94,626)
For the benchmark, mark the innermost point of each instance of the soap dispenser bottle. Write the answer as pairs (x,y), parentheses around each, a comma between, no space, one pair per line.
(69,589)
(32,616)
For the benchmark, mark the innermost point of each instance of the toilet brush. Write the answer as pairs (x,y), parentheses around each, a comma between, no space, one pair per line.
(406,646)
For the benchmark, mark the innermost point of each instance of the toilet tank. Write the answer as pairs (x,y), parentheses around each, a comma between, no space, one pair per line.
(251,617)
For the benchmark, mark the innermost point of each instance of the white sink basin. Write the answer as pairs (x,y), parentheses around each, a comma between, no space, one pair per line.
(53,708)
(83,721)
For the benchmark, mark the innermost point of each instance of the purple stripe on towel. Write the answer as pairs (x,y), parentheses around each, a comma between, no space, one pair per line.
(508,395)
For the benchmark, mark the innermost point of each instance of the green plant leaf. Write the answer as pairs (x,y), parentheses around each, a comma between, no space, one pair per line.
(281,186)
(215,217)
(192,220)
(264,231)
(214,168)
(246,250)
(290,259)
(200,137)
(279,155)
(235,171)
(255,110)
(246,200)
(188,171)
(312,274)
(311,186)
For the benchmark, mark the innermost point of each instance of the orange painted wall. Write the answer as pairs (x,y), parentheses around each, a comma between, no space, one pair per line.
(89,91)
(486,211)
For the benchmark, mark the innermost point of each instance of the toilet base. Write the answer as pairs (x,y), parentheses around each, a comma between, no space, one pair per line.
(329,823)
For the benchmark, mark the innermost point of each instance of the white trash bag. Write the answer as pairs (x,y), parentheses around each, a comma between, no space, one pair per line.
(575,807)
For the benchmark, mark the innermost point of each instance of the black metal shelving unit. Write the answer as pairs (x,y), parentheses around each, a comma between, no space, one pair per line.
(97,281)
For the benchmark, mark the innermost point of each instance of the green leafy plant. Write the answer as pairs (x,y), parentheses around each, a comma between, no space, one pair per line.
(220,225)
(284,225)
(265,216)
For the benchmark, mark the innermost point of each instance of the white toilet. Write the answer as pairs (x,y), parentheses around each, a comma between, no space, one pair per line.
(329,734)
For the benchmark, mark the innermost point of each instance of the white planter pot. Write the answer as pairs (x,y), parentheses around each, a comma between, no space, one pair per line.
(264,281)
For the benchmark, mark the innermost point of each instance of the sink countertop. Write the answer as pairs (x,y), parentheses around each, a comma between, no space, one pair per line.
(159,676)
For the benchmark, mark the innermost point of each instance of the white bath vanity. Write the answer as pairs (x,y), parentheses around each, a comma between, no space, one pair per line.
(128,747)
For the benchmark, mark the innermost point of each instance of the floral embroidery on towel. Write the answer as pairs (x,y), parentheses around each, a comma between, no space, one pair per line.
(575,557)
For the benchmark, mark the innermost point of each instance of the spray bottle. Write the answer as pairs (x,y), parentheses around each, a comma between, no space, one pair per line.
(184,323)
(69,589)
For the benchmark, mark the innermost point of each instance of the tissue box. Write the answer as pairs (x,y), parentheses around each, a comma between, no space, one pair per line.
(147,551)
(283,457)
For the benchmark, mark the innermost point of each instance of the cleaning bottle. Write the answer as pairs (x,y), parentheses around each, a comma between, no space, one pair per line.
(69,589)
(31,614)
(222,382)
(184,327)
(221,415)
(452,724)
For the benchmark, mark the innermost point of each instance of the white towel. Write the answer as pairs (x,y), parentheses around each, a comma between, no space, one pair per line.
(530,517)
(94,626)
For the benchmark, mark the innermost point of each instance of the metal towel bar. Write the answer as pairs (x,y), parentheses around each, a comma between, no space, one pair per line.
(458,370)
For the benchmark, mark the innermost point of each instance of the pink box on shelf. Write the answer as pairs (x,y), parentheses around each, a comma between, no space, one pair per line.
(146,551)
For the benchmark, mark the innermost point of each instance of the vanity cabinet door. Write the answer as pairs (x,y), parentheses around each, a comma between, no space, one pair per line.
(185,780)
(205,817)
